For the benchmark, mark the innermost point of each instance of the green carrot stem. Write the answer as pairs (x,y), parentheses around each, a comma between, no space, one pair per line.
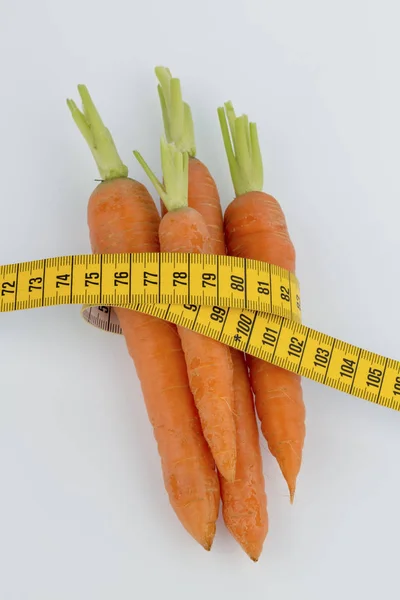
(97,136)
(177,115)
(175,170)
(242,150)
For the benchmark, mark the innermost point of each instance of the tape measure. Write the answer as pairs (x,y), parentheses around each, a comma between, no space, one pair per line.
(249,305)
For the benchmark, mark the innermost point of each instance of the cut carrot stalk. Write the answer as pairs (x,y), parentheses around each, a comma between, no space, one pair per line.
(255,228)
(209,363)
(123,218)
(177,114)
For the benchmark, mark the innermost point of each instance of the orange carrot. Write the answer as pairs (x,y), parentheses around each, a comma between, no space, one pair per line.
(204,197)
(209,362)
(244,500)
(179,130)
(255,228)
(123,218)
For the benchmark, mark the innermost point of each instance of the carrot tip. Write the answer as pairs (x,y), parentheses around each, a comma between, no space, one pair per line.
(207,544)
(253,552)
(207,538)
(292,492)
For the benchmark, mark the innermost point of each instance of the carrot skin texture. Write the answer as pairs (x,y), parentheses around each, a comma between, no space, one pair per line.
(244,501)
(255,228)
(209,362)
(122,217)
(255,224)
(203,196)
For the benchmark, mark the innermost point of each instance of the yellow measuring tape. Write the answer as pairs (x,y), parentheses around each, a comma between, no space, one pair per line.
(249,305)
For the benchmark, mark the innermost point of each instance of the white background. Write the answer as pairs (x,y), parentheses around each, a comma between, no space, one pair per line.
(83,512)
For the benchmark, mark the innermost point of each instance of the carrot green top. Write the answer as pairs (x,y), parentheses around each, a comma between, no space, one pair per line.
(175,170)
(97,136)
(177,116)
(242,150)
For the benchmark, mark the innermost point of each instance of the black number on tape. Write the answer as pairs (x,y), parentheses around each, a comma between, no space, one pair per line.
(396,387)
(295,347)
(244,325)
(374,377)
(270,337)
(121,277)
(347,368)
(263,288)
(192,307)
(62,280)
(90,279)
(7,287)
(35,283)
(218,314)
(179,278)
(237,283)
(208,279)
(149,278)
(321,358)
(285,293)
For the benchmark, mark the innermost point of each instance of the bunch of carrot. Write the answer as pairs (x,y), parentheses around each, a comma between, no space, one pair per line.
(202,397)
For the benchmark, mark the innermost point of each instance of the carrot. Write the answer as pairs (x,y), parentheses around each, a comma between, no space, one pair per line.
(179,129)
(123,218)
(255,228)
(209,362)
(244,500)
